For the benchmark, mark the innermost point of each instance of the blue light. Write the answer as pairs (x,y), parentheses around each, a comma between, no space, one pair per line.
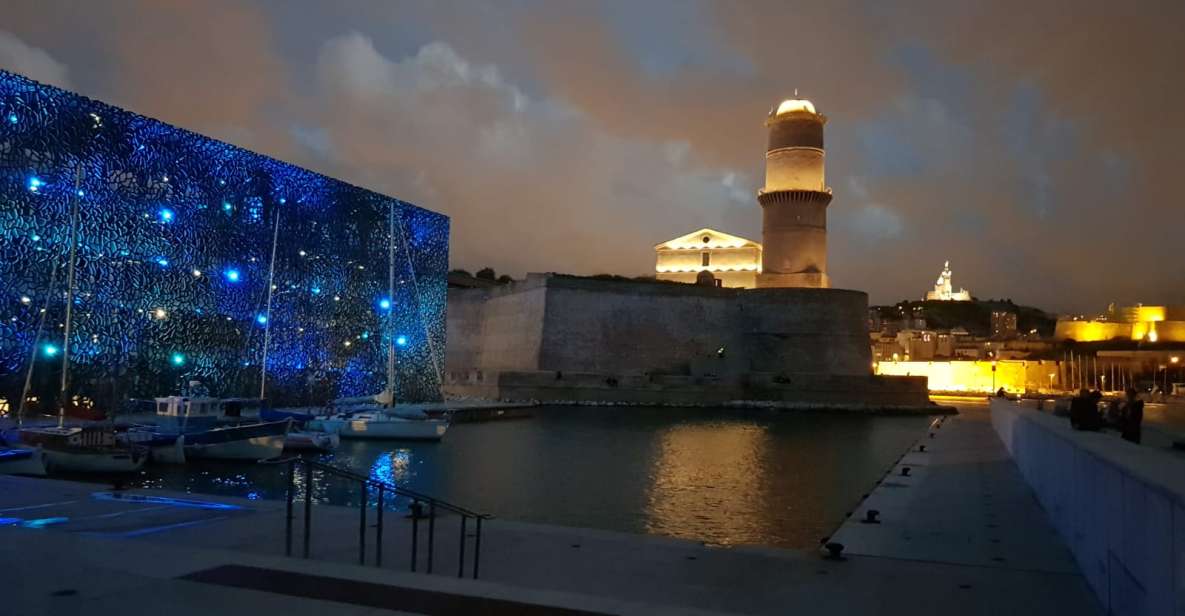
(178,359)
(43,522)
(81,193)
(232,275)
(283,201)
(161,261)
(36,238)
(366,335)
(35,184)
(226,206)
(401,340)
(316,290)
(51,350)
(12,118)
(261,319)
(166,215)
(385,304)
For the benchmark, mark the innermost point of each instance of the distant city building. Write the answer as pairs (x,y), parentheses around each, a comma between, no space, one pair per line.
(944,292)
(1003,325)
(733,261)
(1139,322)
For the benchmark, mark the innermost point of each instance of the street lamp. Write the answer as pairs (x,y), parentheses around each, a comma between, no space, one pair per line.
(993,376)
(1051,375)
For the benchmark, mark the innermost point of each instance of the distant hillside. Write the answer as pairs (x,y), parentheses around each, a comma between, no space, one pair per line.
(975,316)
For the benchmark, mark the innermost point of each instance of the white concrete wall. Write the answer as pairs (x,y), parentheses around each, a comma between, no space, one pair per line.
(1119,506)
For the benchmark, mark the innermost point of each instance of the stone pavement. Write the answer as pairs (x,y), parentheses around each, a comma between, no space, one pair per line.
(962,534)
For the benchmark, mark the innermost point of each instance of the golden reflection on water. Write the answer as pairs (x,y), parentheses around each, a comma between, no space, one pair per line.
(707,481)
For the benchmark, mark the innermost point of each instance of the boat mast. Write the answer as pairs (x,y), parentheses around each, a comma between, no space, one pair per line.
(267,314)
(69,295)
(391,298)
(53,279)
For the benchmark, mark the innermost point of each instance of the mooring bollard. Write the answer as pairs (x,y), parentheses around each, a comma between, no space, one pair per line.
(834,550)
(921,448)
(905,471)
(872,517)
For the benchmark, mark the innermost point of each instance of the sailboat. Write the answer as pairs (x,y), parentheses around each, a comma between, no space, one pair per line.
(74,448)
(375,417)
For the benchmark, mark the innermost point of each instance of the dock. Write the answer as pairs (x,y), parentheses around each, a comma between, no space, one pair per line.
(961,534)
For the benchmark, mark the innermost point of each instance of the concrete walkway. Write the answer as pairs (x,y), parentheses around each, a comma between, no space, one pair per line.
(962,534)
(966,512)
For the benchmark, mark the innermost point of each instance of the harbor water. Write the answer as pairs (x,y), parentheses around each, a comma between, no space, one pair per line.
(718,476)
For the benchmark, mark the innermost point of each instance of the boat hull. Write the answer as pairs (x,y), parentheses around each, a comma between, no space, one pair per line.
(311,441)
(249,442)
(94,461)
(390,429)
(22,462)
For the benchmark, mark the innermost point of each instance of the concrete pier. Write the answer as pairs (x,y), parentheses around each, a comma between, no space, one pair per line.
(962,534)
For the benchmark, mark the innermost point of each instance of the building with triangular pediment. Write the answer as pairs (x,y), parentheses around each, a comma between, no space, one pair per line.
(732,260)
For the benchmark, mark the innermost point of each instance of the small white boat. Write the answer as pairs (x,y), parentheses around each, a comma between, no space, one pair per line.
(259,441)
(311,440)
(84,450)
(380,426)
(22,461)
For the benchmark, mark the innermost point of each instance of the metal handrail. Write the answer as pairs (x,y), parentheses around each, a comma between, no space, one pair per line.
(418,501)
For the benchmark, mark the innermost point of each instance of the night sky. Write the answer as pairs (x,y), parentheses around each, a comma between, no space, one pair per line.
(1037,145)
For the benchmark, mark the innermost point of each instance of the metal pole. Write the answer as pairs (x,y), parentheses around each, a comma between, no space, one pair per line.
(267,323)
(431,532)
(461,554)
(391,312)
(288,516)
(362,524)
(477,548)
(378,531)
(69,296)
(415,533)
(308,503)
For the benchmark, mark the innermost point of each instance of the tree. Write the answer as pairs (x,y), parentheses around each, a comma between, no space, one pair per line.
(505,279)
(461,272)
(486,273)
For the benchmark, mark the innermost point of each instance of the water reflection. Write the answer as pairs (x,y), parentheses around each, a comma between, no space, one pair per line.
(711,475)
(707,482)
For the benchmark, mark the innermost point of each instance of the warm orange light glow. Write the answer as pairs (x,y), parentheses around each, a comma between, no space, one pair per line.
(795,104)
(974,376)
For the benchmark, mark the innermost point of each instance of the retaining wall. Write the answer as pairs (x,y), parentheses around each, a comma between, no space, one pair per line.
(1119,506)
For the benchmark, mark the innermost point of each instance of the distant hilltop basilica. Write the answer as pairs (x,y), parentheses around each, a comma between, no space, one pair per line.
(944,291)
(757,321)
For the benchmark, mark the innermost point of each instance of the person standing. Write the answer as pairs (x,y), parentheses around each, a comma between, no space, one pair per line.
(1133,416)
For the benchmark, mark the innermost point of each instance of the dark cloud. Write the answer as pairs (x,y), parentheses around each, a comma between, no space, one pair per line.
(1031,144)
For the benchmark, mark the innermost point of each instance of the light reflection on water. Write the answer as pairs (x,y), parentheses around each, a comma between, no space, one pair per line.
(713,475)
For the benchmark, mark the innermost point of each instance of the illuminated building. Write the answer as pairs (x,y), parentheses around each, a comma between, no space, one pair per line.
(794,200)
(1015,376)
(734,261)
(1139,323)
(944,291)
(175,242)
(1003,324)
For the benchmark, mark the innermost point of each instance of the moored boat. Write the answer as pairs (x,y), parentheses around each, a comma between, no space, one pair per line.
(256,441)
(84,450)
(380,426)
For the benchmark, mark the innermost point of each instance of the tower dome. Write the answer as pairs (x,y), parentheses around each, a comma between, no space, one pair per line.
(795,104)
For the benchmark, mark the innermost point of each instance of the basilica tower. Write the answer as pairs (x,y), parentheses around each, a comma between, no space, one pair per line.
(794,200)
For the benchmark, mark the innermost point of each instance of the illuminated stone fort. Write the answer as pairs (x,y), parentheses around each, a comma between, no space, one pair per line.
(944,290)
(760,324)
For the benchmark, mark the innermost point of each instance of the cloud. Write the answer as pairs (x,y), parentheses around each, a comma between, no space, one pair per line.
(18,57)
(531,183)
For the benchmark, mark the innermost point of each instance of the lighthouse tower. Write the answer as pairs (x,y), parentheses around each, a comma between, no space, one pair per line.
(794,200)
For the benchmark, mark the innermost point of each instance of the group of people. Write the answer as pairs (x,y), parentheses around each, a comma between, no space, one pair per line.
(1126,417)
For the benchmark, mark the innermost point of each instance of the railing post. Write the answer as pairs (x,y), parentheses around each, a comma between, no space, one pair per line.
(431,532)
(308,503)
(291,496)
(362,525)
(415,532)
(477,548)
(461,555)
(378,532)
